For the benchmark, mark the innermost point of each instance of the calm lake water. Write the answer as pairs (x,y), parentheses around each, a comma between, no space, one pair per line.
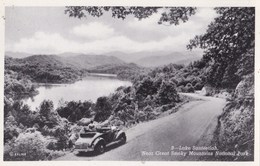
(89,88)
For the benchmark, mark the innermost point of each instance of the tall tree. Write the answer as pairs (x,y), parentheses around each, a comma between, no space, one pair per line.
(228,39)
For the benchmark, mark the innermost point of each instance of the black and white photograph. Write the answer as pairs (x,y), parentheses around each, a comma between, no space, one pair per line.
(129,83)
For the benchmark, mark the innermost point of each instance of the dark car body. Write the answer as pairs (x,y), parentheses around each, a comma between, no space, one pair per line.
(99,139)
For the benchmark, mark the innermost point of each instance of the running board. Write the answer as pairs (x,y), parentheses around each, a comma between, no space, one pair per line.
(114,142)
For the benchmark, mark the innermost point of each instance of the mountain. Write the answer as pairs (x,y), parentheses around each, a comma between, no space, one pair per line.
(176,58)
(57,69)
(74,60)
(132,57)
(89,61)
(43,69)
(17,54)
(114,69)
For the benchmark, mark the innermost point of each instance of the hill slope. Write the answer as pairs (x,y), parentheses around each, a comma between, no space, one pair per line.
(89,61)
(57,69)
(176,58)
(44,69)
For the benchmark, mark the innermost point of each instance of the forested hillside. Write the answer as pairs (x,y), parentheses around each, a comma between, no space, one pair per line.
(44,69)
(57,69)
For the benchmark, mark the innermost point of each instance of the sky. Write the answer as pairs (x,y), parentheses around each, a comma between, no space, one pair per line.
(48,30)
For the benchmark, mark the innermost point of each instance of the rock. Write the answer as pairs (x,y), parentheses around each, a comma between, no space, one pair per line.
(206,91)
(85,121)
(245,88)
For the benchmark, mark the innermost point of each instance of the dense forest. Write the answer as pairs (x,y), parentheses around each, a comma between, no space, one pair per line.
(227,64)
(43,69)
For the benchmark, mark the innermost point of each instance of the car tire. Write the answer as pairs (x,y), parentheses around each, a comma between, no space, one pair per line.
(122,138)
(100,148)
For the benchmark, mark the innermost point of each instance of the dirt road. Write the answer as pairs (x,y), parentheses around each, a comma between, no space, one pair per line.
(160,139)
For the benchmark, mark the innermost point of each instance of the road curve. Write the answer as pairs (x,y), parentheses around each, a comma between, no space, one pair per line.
(153,140)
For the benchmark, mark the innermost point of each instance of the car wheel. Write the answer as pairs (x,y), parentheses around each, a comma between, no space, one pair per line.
(100,148)
(122,139)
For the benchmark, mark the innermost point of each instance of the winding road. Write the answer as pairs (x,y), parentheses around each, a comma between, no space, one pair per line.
(160,139)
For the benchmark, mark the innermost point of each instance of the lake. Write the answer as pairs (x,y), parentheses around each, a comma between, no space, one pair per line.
(90,88)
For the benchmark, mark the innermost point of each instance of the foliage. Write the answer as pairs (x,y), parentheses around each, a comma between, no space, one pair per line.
(74,111)
(17,85)
(145,88)
(43,69)
(189,88)
(168,93)
(228,40)
(235,130)
(102,109)
(47,115)
(11,129)
(171,15)
(123,71)
(30,145)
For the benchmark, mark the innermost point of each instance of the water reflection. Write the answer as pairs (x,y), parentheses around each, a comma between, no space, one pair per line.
(88,89)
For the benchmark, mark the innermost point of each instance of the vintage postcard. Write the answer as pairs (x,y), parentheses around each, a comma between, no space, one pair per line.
(140,82)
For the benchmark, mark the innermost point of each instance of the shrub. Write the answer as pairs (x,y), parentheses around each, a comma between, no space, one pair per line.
(189,88)
(51,155)
(52,145)
(103,109)
(168,93)
(30,145)
(198,86)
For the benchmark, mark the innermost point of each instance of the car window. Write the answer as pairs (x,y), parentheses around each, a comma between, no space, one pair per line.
(87,135)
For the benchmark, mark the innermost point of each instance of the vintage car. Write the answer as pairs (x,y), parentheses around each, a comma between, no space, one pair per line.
(97,140)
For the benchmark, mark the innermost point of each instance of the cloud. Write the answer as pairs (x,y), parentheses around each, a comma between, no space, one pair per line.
(93,30)
(105,34)
(54,43)
(42,42)
(196,25)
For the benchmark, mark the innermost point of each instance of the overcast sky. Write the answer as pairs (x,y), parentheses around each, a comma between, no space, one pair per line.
(47,30)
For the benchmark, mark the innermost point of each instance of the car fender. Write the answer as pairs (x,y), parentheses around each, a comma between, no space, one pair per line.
(119,134)
(98,140)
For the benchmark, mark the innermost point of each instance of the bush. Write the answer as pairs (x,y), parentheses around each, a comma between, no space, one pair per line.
(51,155)
(74,111)
(168,93)
(30,146)
(103,109)
(198,86)
(189,88)
(62,138)
(52,145)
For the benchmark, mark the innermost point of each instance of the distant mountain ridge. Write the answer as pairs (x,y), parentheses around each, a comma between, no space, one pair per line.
(144,59)
(77,61)
(175,58)
(90,61)
(17,54)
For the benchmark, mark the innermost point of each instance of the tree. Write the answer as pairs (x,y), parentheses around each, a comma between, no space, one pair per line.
(47,115)
(145,88)
(168,93)
(189,88)
(46,108)
(172,15)
(74,111)
(102,108)
(11,129)
(229,38)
